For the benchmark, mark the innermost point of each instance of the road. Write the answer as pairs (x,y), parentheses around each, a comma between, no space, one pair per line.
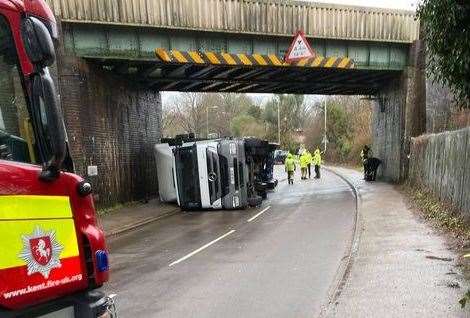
(276,261)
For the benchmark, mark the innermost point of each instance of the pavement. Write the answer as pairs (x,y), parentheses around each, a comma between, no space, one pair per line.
(129,218)
(304,253)
(401,268)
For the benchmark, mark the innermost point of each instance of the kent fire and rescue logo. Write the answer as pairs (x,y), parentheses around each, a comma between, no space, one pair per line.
(41,252)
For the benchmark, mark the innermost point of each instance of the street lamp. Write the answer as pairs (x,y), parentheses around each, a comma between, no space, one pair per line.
(279,123)
(325,140)
(207,119)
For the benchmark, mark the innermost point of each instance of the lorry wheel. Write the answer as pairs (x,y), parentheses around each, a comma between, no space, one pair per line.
(255,201)
(264,195)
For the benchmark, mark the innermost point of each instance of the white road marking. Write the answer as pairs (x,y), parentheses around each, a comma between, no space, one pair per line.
(256,215)
(201,248)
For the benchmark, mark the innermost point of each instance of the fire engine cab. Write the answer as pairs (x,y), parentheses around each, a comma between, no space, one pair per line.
(53,256)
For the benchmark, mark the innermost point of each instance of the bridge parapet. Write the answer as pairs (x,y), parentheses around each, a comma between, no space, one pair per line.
(268,17)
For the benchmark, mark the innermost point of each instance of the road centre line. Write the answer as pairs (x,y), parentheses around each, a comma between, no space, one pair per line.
(201,248)
(256,215)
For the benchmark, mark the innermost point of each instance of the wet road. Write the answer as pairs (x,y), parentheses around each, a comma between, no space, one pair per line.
(276,261)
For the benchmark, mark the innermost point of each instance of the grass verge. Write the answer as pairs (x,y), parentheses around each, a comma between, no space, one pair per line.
(443,215)
(109,210)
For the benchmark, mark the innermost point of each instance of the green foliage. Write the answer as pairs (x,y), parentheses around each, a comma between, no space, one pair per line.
(348,128)
(294,115)
(246,125)
(338,124)
(339,129)
(255,111)
(465,299)
(447,35)
(239,124)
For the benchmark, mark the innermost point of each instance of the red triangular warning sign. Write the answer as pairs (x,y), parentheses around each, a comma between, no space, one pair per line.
(299,48)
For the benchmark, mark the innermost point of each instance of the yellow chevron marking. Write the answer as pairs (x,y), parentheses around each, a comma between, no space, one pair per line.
(163,55)
(229,59)
(195,56)
(330,62)
(212,57)
(260,59)
(245,60)
(178,56)
(274,59)
(343,63)
(302,62)
(316,62)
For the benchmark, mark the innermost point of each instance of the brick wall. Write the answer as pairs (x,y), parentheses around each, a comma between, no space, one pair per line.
(111,123)
(399,115)
(388,129)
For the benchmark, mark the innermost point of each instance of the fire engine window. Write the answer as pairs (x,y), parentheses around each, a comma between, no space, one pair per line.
(16,134)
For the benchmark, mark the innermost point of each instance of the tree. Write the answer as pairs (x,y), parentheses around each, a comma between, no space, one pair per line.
(245,125)
(190,111)
(348,128)
(294,114)
(447,33)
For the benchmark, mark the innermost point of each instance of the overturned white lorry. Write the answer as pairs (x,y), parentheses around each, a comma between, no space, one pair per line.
(225,173)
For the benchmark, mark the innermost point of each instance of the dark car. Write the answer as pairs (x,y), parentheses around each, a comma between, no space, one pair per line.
(280,156)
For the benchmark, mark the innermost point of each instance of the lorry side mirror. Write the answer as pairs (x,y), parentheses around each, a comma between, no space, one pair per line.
(38,42)
(49,124)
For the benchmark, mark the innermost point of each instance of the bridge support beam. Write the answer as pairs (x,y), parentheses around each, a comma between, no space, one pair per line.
(399,114)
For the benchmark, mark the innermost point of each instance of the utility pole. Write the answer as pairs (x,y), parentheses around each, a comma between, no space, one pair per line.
(279,123)
(324,137)
(207,119)
(207,122)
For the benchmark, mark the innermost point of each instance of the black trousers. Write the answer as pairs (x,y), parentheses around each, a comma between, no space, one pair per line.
(317,171)
(309,166)
(290,177)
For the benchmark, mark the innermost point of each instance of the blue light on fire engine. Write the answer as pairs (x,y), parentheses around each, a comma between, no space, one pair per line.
(102,262)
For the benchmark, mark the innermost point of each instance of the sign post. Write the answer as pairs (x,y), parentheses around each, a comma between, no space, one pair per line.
(299,48)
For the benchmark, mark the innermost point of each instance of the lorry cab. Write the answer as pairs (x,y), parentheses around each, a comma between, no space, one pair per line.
(198,175)
(53,253)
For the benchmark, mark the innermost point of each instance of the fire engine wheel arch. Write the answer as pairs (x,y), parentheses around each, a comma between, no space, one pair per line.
(195,71)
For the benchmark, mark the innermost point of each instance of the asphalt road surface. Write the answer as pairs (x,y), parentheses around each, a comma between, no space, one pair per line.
(276,261)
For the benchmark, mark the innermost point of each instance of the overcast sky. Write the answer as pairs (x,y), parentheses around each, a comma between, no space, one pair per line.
(393,4)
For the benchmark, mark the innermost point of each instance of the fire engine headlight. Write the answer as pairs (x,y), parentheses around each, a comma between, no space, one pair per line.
(102,263)
(84,188)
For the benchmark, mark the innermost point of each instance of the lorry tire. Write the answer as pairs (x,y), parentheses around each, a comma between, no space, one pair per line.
(263,194)
(255,201)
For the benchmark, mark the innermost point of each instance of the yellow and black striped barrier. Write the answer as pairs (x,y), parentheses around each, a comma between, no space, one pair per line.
(213,58)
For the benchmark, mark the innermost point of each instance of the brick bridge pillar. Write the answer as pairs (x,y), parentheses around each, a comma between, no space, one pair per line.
(399,114)
(111,123)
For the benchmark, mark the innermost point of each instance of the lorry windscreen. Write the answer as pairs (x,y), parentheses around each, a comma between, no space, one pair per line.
(241,175)
(237,176)
(213,171)
(224,175)
(188,177)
